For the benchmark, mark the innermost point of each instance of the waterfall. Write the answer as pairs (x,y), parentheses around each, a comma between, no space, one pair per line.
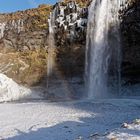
(103,55)
(51,43)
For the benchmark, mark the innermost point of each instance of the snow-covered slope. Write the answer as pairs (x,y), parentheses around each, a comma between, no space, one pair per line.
(10,90)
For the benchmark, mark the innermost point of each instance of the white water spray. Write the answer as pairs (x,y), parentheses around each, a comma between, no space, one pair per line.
(103,46)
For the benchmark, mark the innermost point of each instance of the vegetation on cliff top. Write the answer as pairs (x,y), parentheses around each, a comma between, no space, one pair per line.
(82,3)
(33,18)
(26,67)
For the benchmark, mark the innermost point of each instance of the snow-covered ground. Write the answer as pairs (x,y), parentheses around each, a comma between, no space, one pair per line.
(11,91)
(56,90)
(73,120)
(38,119)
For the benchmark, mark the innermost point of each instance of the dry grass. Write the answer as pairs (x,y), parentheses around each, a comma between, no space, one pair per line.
(82,3)
(26,68)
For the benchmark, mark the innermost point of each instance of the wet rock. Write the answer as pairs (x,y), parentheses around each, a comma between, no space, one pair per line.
(70,37)
(130,29)
(125,125)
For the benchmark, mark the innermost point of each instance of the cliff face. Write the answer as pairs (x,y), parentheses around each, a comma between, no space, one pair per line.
(70,23)
(130,29)
(24,29)
(70,36)
(23,41)
(23,36)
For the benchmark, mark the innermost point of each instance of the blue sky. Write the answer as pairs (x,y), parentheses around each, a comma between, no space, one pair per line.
(15,5)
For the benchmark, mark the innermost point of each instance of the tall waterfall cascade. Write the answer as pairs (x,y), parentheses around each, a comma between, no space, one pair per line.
(51,43)
(103,53)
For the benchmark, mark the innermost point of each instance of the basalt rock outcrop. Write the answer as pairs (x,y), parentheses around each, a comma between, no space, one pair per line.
(130,29)
(70,36)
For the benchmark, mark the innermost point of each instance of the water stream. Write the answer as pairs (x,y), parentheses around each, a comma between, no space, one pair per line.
(51,43)
(103,53)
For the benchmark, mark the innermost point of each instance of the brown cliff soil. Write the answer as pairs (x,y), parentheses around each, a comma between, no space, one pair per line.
(26,68)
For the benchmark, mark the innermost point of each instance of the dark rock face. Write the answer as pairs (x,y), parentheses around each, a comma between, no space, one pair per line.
(71,22)
(24,40)
(70,37)
(24,29)
(130,28)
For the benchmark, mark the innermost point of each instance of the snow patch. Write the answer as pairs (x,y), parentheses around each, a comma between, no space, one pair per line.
(131,132)
(2,28)
(10,90)
(16,25)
